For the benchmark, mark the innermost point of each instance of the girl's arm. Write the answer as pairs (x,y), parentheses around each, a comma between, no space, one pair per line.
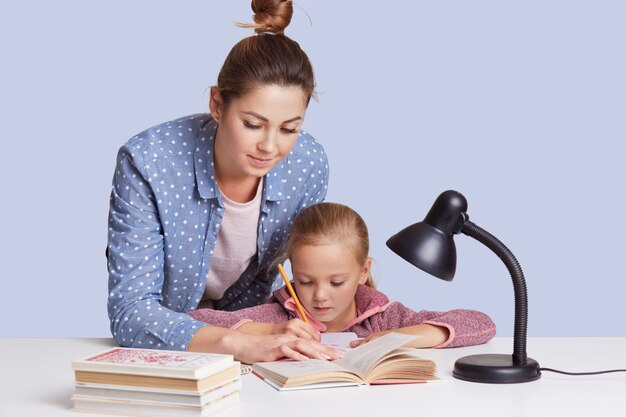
(262,320)
(438,329)
(431,335)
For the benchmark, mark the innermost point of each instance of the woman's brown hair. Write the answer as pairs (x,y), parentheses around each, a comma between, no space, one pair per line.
(325,223)
(267,58)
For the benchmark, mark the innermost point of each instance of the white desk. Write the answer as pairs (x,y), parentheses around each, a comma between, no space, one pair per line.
(36,380)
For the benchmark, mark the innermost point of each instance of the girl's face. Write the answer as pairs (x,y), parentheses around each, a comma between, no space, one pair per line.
(326,278)
(256,130)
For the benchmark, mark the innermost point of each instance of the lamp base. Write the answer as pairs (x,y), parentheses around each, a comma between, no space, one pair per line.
(495,369)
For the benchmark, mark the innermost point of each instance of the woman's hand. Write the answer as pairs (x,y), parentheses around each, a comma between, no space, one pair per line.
(250,348)
(274,347)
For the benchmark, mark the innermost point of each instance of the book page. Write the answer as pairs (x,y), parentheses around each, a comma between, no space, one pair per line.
(292,369)
(361,359)
(339,340)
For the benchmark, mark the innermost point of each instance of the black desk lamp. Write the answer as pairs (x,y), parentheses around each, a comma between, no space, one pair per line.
(429,245)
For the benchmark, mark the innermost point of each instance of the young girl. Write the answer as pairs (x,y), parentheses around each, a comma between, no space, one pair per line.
(328,248)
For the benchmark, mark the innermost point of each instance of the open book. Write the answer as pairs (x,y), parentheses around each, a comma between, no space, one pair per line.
(339,340)
(381,361)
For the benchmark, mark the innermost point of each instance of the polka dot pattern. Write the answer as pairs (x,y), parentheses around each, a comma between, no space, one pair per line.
(164,217)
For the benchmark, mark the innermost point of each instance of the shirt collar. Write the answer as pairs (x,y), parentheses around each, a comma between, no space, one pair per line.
(203,160)
(275,181)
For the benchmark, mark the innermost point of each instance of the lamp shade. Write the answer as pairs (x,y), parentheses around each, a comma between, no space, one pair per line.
(429,244)
(427,248)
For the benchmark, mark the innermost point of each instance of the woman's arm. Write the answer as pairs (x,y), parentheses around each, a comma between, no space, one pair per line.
(136,265)
(251,348)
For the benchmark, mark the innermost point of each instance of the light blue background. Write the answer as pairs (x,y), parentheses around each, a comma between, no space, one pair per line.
(518,106)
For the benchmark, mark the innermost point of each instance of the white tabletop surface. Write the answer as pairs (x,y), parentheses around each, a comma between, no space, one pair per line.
(37,380)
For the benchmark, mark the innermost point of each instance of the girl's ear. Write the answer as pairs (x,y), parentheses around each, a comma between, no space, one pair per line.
(216,104)
(365,271)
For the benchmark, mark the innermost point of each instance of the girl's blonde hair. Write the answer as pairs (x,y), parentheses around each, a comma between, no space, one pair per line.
(325,223)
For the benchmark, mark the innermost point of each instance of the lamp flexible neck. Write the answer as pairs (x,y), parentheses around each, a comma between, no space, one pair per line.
(519,286)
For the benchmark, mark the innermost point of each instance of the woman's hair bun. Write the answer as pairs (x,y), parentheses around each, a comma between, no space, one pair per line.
(270,16)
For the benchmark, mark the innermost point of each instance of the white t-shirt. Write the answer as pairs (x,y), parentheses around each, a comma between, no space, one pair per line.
(236,244)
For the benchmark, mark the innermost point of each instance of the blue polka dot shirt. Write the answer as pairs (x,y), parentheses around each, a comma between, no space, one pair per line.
(165,214)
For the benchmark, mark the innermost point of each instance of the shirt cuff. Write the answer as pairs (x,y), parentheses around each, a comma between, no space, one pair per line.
(182,334)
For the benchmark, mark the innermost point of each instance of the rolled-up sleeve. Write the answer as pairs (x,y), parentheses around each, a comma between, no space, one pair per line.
(136,265)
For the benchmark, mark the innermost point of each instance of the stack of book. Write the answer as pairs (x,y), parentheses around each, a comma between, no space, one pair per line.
(145,382)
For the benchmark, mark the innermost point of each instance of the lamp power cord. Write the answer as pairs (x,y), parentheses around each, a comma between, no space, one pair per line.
(581,373)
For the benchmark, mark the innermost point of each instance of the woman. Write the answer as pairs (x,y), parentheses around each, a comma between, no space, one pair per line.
(201,204)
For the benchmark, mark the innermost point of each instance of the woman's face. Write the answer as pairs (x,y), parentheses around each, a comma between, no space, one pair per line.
(326,278)
(256,130)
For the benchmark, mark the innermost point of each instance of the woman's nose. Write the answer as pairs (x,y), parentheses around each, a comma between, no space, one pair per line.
(268,143)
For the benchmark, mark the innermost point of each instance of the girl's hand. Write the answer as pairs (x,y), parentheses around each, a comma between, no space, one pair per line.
(294,327)
(297,328)
(359,342)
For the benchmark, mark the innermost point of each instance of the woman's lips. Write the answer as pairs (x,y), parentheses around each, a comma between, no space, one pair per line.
(260,162)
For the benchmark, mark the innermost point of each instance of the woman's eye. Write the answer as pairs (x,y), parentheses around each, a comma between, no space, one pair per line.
(251,125)
(289,131)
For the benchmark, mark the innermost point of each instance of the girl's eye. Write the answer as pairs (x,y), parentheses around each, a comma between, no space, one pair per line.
(337,284)
(304,282)
(251,125)
(289,131)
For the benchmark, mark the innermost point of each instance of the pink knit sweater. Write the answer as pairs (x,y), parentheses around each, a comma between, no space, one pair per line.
(375,314)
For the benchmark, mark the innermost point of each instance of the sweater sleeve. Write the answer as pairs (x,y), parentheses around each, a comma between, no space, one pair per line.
(466,327)
(265,313)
